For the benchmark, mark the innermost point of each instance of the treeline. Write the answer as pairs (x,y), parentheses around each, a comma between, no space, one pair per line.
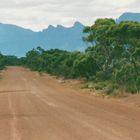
(60,63)
(111,62)
(8,61)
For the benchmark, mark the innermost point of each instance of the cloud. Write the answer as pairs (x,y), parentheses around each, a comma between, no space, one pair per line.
(38,14)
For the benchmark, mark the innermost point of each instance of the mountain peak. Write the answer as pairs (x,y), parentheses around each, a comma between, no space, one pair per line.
(77,23)
(60,26)
(128,16)
(50,26)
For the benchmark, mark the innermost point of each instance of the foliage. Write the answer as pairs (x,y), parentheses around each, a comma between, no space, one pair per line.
(8,60)
(112,59)
(117,52)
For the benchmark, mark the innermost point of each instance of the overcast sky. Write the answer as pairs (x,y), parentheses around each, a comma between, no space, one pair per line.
(38,14)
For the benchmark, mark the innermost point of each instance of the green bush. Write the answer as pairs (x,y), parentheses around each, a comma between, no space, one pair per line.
(100,85)
(132,89)
(110,88)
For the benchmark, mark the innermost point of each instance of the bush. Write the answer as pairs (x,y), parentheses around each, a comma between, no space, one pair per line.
(110,88)
(103,75)
(132,89)
(100,85)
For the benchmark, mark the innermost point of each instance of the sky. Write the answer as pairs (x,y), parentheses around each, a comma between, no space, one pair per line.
(38,14)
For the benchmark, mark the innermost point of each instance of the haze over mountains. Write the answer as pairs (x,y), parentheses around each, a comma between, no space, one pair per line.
(17,41)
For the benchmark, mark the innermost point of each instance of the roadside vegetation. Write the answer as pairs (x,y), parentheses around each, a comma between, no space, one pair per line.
(111,62)
(8,60)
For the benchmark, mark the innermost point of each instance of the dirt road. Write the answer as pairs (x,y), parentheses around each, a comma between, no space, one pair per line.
(40,108)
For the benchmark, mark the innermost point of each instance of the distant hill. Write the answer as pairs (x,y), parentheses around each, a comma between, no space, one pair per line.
(129,17)
(15,40)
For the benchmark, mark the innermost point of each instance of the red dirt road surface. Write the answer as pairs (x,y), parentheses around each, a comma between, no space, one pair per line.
(34,107)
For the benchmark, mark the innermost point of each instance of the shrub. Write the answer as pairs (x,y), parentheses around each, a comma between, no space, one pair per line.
(100,85)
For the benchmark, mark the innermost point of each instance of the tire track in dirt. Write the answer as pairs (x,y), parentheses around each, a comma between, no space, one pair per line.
(44,100)
(14,131)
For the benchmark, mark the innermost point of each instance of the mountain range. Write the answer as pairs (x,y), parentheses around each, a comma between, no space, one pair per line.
(15,40)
